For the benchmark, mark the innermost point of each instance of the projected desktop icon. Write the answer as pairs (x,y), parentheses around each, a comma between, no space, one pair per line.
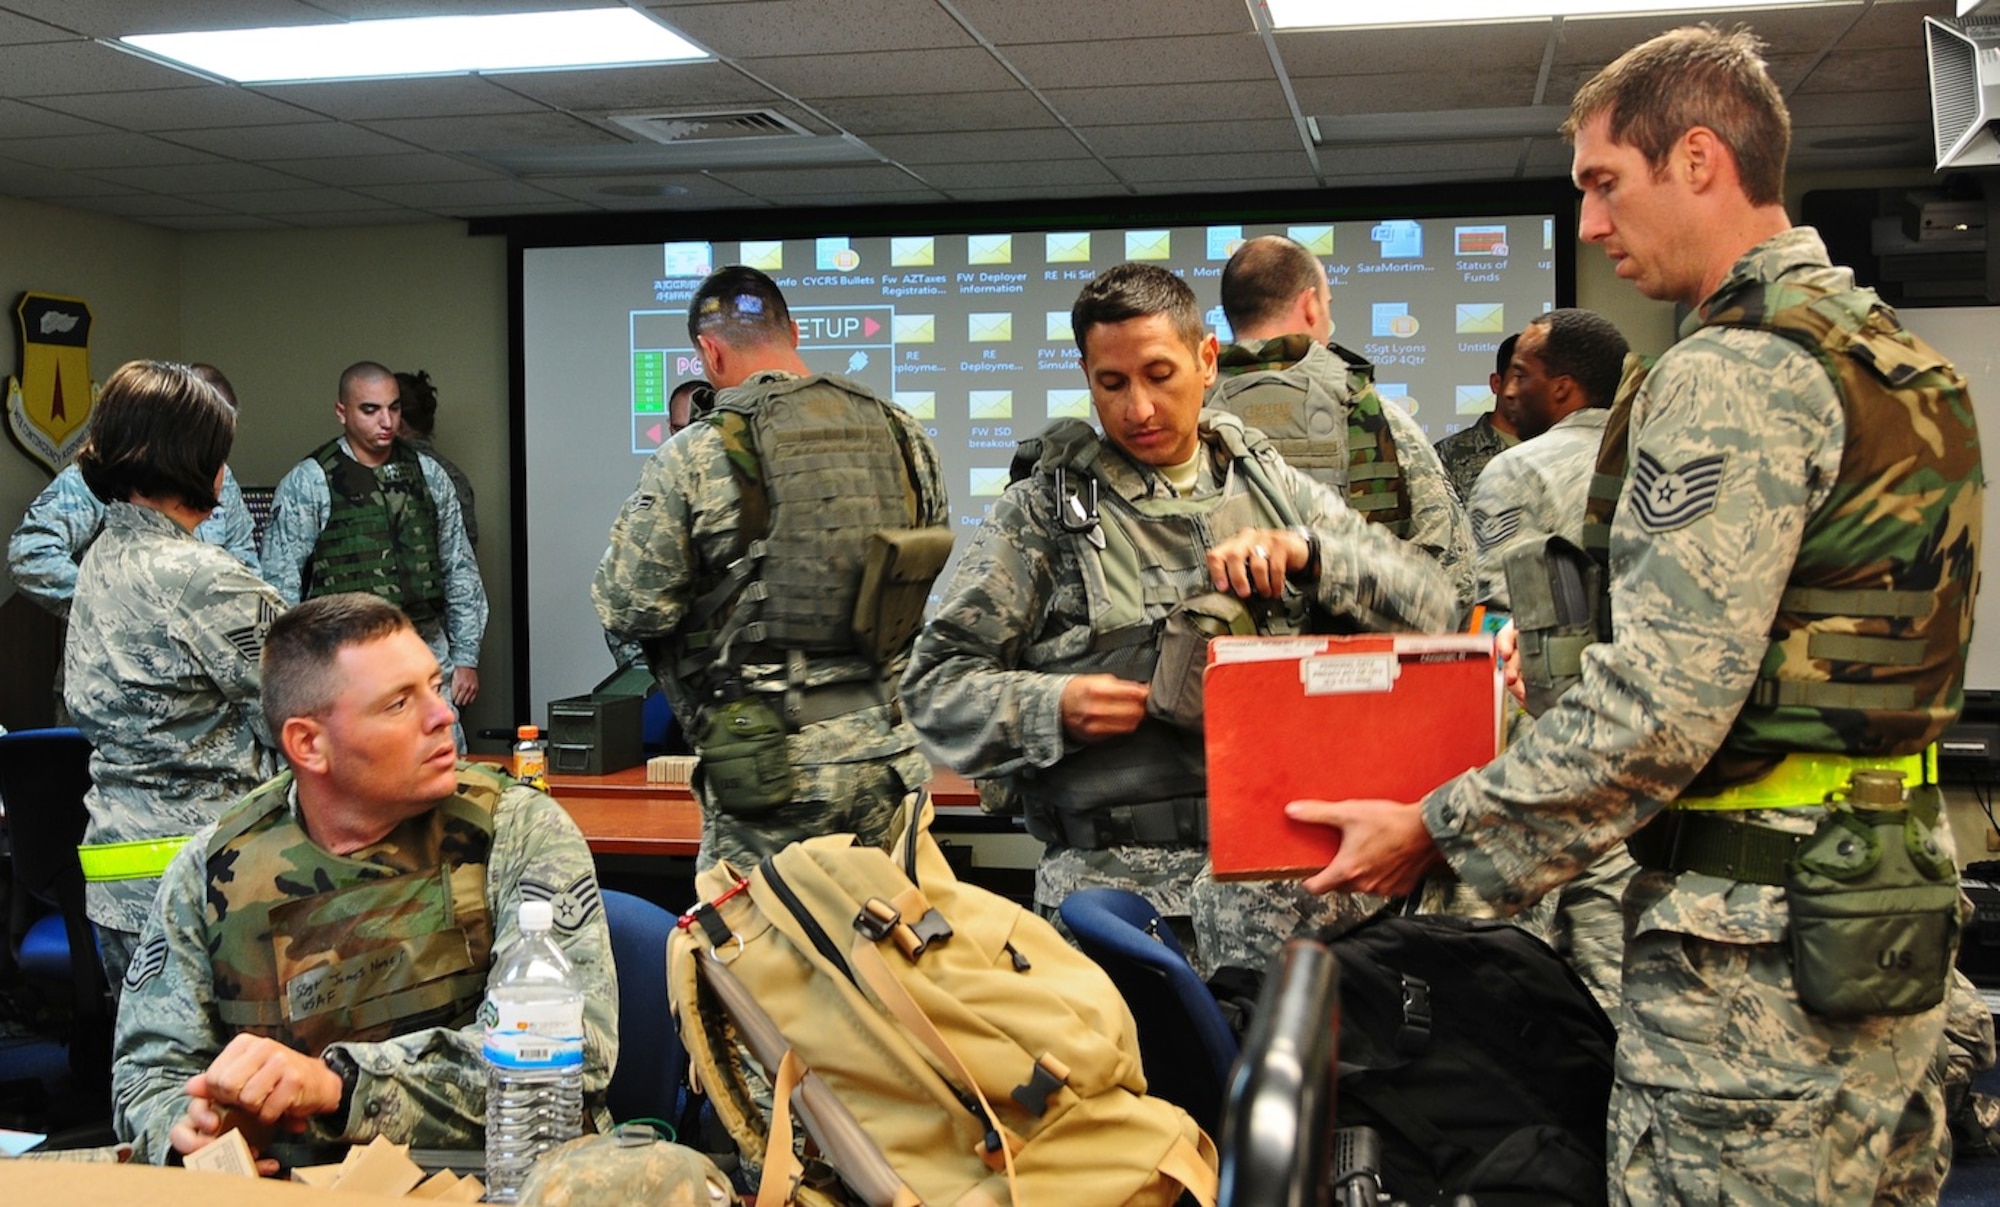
(1149,245)
(1484,240)
(764,255)
(1472,399)
(834,254)
(689,259)
(1481,318)
(1223,241)
(1401,238)
(989,328)
(988,481)
(1068,247)
(1059,328)
(1317,239)
(1391,319)
(1218,322)
(915,251)
(914,328)
(989,249)
(921,404)
(1397,393)
(1069,404)
(989,404)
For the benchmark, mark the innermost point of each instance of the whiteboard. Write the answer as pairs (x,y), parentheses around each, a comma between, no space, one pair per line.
(1970,336)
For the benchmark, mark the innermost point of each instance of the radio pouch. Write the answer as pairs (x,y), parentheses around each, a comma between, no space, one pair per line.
(1874,903)
(896,577)
(745,765)
(1552,589)
(1175,693)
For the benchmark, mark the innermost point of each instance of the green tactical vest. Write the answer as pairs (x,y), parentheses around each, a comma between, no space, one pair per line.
(1341,438)
(312,948)
(1139,557)
(819,466)
(1867,652)
(381,534)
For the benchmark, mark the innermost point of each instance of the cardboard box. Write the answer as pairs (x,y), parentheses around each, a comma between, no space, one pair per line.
(595,734)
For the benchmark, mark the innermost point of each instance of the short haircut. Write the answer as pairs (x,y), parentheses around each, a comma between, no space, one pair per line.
(740,307)
(160,431)
(213,376)
(1132,291)
(1583,344)
(1264,278)
(299,651)
(360,371)
(419,399)
(1504,358)
(1694,76)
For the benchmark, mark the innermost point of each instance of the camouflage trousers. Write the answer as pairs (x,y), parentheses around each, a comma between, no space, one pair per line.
(1729,1090)
(864,799)
(1590,924)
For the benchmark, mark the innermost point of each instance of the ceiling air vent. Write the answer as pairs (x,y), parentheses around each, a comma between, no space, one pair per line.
(708,127)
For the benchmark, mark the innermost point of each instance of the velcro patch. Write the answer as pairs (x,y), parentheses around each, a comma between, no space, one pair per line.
(147,962)
(573,905)
(1497,528)
(1666,499)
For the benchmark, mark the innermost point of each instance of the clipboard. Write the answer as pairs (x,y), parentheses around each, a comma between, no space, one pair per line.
(1333,718)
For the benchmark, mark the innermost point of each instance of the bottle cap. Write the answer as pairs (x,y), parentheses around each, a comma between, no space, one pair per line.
(528,732)
(537,915)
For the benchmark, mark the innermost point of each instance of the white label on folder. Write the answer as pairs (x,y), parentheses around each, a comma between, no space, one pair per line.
(1263,649)
(1343,673)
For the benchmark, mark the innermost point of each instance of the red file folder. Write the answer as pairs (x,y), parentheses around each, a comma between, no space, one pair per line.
(1330,718)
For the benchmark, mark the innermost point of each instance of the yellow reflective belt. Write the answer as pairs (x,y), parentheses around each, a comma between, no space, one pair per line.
(1805,779)
(142,860)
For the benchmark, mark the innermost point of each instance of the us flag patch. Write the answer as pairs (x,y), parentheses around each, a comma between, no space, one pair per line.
(1666,499)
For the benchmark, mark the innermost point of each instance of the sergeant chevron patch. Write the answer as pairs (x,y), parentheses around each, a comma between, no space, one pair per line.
(573,905)
(249,640)
(1495,529)
(1666,499)
(148,962)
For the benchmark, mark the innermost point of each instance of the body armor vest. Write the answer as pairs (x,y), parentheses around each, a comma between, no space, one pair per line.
(381,534)
(1867,652)
(312,948)
(1342,440)
(1141,550)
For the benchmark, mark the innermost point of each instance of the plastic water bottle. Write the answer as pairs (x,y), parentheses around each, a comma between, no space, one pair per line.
(531,757)
(533,1018)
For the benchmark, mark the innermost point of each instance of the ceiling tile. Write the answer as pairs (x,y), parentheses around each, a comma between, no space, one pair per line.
(414,168)
(1413,53)
(779,27)
(1225,100)
(19,119)
(63,68)
(1165,171)
(506,131)
(929,112)
(1013,22)
(1143,61)
(100,151)
(630,89)
(958,178)
(694,189)
(197,177)
(1193,138)
(867,178)
(34,181)
(451,196)
(115,18)
(1475,88)
(291,201)
(217,222)
(154,109)
(1812,109)
(310,140)
(372,100)
(917,149)
(810,77)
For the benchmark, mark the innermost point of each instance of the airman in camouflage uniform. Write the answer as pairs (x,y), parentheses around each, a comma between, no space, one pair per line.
(368,408)
(316,959)
(1466,453)
(683,530)
(419,419)
(1275,295)
(1009,679)
(1728,1086)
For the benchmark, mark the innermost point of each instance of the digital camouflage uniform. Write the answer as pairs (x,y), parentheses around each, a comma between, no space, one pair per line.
(679,528)
(1536,488)
(1466,452)
(160,674)
(425,1087)
(1250,386)
(299,514)
(985,681)
(460,484)
(1727,1087)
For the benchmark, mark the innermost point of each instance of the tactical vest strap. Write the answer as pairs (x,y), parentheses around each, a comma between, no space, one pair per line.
(1852,647)
(1909,605)
(1161,823)
(1804,693)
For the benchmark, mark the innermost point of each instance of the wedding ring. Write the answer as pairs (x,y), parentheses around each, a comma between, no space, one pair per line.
(1260,552)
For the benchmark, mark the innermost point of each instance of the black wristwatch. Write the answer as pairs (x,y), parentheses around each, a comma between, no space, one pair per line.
(1307,574)
(344,1068)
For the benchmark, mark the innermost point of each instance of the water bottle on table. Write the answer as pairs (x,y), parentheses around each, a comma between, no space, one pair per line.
(533,1018)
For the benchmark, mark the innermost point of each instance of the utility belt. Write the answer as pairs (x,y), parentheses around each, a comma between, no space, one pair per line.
(144,859)
(746,765)
(1159,823)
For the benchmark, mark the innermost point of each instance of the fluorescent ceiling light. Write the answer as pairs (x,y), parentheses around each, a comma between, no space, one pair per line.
(599,37)
(1350,14)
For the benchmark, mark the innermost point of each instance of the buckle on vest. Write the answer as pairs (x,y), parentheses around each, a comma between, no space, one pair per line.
(877,919)
(1415,1032)
(1073,514)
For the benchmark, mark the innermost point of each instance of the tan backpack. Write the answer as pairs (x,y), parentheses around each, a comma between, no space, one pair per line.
(949,1048)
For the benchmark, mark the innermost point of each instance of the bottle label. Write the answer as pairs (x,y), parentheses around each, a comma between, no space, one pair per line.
(531,765)
(535,1035)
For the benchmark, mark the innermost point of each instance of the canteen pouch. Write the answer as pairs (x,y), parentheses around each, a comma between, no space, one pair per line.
(745,765)
(1552,588)
(1874,902)
(1174,695)
(896,577)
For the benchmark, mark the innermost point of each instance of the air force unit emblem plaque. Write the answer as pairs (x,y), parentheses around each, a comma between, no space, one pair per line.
(48,405)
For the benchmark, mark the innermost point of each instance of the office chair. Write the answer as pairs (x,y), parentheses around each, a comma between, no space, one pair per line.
(44,774)
(652,1064)
(1184,1039)
(1277,1130)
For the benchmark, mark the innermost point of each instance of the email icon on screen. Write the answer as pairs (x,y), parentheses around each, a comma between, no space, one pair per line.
(1059,327)
(1472,400)
(1149,245)
(1317,239)
(916,251)
(989,249)
(989,481)
(990,404)
(914,328)
(921,404)
(1069,404)
(765,255)
(1068,247)
(989,328)
(1481,318)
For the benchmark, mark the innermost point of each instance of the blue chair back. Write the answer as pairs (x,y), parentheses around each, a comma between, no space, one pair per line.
(1184,1040)
(652,1064)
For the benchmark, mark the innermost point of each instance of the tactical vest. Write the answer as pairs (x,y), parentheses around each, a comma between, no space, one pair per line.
(1867,652)
(381,534)
(1344,442)
(1139,557)
(311,948)
(819,465)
